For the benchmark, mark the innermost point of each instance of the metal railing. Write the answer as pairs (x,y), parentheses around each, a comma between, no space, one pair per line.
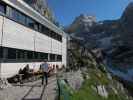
(64,90)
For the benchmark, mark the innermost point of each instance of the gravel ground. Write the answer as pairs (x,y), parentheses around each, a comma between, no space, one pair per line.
(30,91)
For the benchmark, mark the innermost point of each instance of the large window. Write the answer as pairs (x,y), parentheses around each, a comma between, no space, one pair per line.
(12,54)
(16,15)
(13,14)
(2,7)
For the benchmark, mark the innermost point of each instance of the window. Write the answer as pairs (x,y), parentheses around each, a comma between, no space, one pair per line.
(52,57)
(30,55)
(44,56)
(16,15)
(1,52)
(2,7)
(56,36)
(36,26)
(22,18)
(59,58)
(41,56)
(53,35)
(45,30)
(32,24)
(36,55)
(5,53)
(40,28)
(11,53)
(20,54)
(13,14)
(59,37)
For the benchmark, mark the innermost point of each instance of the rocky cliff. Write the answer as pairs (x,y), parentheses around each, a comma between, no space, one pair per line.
(108,34)
(42,7)
(81,24)
(123,37)
(81,28)
(87,77)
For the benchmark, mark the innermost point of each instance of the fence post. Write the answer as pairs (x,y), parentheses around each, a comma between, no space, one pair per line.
(59,90)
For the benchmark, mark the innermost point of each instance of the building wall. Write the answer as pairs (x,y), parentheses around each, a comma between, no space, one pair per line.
(17,36)
(42,43)
(55,46)
(64,50)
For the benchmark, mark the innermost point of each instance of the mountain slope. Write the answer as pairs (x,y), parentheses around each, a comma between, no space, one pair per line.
(92,81)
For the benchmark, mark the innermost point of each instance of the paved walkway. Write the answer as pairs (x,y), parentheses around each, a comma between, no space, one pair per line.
(31,91)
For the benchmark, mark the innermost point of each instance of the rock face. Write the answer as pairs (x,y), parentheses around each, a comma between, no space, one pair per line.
(117,30)
(95,34)
(127,18)
(102,91)
(81,27)
(39,5)
(74,79)
(123,37)
(125,30)
(42,7)
(93,79)
(82,24)
(104,31)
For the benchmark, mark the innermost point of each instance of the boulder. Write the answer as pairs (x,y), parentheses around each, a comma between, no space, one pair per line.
(102,91)
(74,79)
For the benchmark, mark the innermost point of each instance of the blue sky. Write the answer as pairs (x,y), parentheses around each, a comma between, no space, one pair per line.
(65,11)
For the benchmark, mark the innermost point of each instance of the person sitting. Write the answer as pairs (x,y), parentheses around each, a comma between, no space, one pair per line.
(25,71)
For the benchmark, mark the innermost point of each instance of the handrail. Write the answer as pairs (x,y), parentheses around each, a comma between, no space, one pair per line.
(63,94)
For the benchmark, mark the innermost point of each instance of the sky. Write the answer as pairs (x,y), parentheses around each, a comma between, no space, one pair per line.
(65,11)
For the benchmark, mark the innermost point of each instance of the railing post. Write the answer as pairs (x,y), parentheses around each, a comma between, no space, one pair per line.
(59,90)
